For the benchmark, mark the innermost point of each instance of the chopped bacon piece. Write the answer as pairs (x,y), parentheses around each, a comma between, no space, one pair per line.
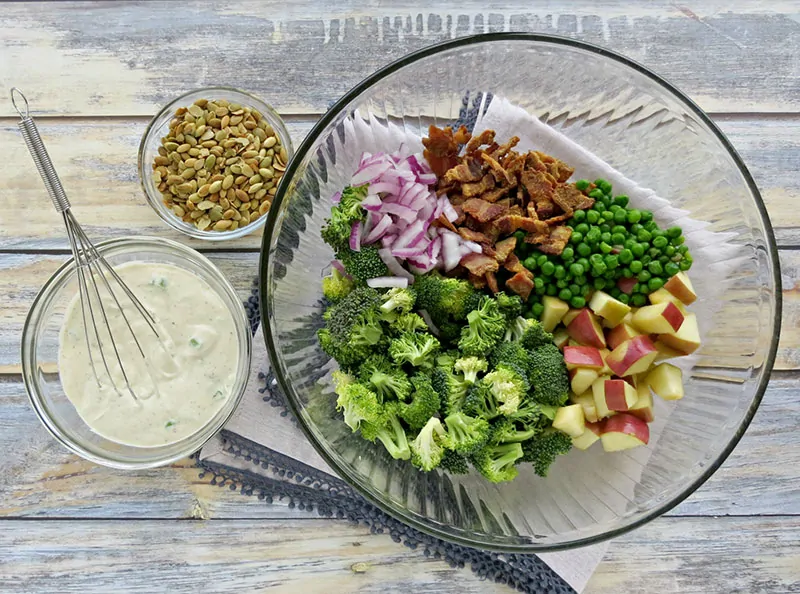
(460,212)
(479,264)
(441,149)
(512,264)
(485,137)
(483,211)
(462,135)
(509,223)
(557,241)
(494,195)
(521,284)
(504,248)
(503,149)
(491,280)
(545,210)
(569,199)
(500,174)
(475,236)
(468,170)
(538,186)
(477,188)
(479,282)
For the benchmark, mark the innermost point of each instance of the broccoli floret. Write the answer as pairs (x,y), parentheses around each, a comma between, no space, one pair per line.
(486,327)
(535,335)
(542,450)
(447,359)
(352,327)
(454,463)
(480,402)
(425,402)
(336,286)
(549,376)
(415,348)
(465,434)
(531,414)
(497,462)
(409,322)
(398,301)
(511,353)
(364,264)
(510,305)
(508,385)
(506,431)
(470,367)
(389,431)
(358,404)
(517,327)
(449,330)
(427,449)
(336,231)
(443,297)
(385,378)
(451,388)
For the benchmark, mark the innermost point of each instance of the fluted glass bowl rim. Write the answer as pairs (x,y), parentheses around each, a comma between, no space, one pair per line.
(275,354)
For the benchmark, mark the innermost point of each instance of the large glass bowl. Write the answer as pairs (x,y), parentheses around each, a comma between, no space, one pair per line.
(648,130)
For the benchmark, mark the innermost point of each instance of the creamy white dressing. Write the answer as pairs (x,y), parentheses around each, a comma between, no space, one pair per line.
(185,377)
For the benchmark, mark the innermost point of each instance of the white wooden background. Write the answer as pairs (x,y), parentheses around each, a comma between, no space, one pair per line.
(97,71)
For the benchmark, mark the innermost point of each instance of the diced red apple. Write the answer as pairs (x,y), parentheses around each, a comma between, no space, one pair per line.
(606,369)
(644,403)
(680,286)
(585,329)
(570,315)
(560,338)
(570,420)
(608,308)
(667,381)
(658,319)
(619,394)
(687,339)
(632,356)
(582,378)
(589,436)
(587,403)
(619,334)
(553,313)
(583,356)
(623,432)
(665,352)
(599,397)
(626,284)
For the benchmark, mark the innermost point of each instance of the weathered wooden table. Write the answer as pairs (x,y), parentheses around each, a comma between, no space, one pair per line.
(96,72)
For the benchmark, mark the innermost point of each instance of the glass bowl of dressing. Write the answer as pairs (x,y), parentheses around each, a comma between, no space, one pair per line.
(195,373)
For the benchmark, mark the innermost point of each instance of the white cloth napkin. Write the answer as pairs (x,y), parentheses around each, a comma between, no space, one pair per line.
(262,424)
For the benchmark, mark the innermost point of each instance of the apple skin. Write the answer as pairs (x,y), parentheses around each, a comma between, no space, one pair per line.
(553,313)
(570,315)
(599,397)
(608,308)
(632,356)
(687,339)
(667,381)
(644,403)
(680,286)
(620,395)
(585,329)
(658,319)
(569,419)
(626,284)
(582,378)
(624,431)
(619,334)
(583,356)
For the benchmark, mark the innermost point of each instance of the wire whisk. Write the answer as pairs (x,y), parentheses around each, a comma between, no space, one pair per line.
(91,267)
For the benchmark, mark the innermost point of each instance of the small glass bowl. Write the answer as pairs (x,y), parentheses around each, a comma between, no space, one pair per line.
(40,344)
(159,127)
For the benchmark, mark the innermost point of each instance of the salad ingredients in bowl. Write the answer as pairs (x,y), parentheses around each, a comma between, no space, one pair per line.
(444,368)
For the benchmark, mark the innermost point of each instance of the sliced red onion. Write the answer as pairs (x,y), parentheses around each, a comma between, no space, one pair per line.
(394,265)
(435,248)
(355,236)
(378,230)
(448,210)
(387,282)
(426,178)
(340,267)
(372,202)
(426,212)
(450,250)
(370,173)
(410,252)
(473,247)
(421,264)
(404,212)
(385,187)
(421,200)
(418,166)
(388,240)
(431,326)
(411,234)
(390,174)
(336,198)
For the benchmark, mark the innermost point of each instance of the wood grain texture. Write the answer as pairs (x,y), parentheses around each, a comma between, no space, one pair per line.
(40,479)
(126,58)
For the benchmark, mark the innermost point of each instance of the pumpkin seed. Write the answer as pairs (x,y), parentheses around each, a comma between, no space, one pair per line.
(227,182)
(222,225)
(270,142)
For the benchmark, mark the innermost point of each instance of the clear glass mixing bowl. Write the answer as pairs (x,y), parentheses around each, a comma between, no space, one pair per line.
(645,128)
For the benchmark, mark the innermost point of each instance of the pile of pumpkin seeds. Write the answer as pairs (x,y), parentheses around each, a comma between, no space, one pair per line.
(219,166)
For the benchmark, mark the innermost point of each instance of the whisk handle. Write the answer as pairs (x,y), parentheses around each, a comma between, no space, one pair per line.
(30,134)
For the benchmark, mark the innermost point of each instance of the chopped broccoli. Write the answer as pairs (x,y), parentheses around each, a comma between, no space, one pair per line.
(532,414)
(425,402)
(451,387)
(497,462)
(470,367)
(385,378)
(336,231)
(352,327)
(542,450)
(398,301)
(517,328)
(350,202)
(414,348)
(506,431)
(509,386)
(358,403)
(454,463)
(364,264)
(427,449)
(389,431)
(535,335)
(336,286)
(480,402)
(409,322)
(549,376)
(511,353)
(447,359)
(443,297)
(465,434)
(486,328)
(510,305)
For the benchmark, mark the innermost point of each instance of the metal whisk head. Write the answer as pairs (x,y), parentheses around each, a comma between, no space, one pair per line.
(92,269)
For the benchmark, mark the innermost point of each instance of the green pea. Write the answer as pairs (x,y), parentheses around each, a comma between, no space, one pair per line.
(651,226)
(655,268)
(548,268)
(623,298)
(542,260)
(597,194)
(562,283)
(669,250)
(603,185)
(671,269)
(605,228)
(580,279)
(568,254)
(612,261)
(644,276)
(622,200)
(682,249)
(576,269)
(605,237)
(599,284)
(583,184)
(677,241)
(592,216)
(636,266)
(617,238)
(634,216)
(685,264)
(586,290)
(605,248)
(600,269)
(615,292)
(576,237)
(647,216)
(636,228)
(636,288)
(646,259)
(577,301)
(673,232)
(520,235)
(584,249)
(583,262)
(608,215)
(638,300)
(626,273)
(529,315)
(629,243)
(565,294)
(660,242)
(538,282)
(582,228)
(643,235)
(559,271)
(579,215)
(626,256)
(541,291)
(614,208)
(530,263)
(621,216)
(654,284)
(593,236)
(551,290)
(537,310)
